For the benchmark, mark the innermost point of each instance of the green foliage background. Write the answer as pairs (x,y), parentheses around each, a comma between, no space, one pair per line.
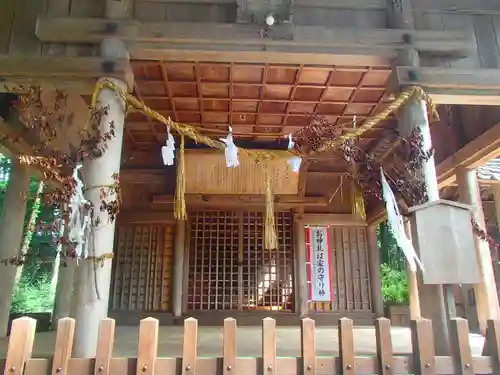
(392,269)
(33,292)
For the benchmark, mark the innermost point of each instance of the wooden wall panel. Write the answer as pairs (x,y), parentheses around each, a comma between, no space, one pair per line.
(183,11)
(446,133)
(483,24)
(6,21)
(206,173)
(22,38)
(359,18)
(349,272)
(455,6)
(142,268)
(338,192)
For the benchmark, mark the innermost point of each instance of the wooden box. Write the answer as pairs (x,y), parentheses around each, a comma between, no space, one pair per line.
(442,236)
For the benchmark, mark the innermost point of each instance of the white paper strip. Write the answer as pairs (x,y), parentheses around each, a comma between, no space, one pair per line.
(168,151)
(294,161)
(79,218)
(319,256)
(396,224)
(231,151)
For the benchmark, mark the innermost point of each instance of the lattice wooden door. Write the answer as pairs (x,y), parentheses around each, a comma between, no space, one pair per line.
(142,268)
(228,269)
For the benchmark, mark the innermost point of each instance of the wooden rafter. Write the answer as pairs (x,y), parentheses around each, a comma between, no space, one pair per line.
(477,152)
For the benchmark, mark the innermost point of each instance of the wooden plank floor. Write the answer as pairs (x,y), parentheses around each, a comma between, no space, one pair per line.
(249,341)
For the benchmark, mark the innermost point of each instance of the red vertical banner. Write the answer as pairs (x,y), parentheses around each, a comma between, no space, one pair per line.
(319,258)
(309,270)
(329,251)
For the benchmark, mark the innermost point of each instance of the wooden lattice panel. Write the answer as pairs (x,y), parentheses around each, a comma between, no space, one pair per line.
(268,275)
(349,272)
(142,268)
(207,173)
(213,261)
(228,269)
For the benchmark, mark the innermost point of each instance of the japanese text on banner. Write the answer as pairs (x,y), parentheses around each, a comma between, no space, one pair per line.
(319,257)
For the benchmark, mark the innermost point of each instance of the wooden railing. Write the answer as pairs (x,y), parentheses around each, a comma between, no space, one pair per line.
(422,361)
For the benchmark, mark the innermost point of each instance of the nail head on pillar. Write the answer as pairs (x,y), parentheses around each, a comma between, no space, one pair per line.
(408,38)
(110,28)
(108,66)
(413,75)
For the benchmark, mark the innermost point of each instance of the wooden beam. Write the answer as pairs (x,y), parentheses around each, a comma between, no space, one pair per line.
(450,86)
(282,201)
(464,96)
(143,176)
(76,74)
(327,173)
(197,2)
(342,4)
(492,183)
(457,6)
(146,217)
(147,37)
(476,153)
(377,216)
(341,220)
(486,79)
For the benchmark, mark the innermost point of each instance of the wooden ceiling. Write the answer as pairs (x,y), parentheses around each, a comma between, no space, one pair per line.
(260,101)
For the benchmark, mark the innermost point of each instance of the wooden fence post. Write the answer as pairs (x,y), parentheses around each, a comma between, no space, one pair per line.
(105,341)
(384,346)
(492,344)
(269,346)
(229,347)
(460,347)
(190,346)
(64,346)
(308,341)
(424,353)
(346,347)
(20,345)
(148,346)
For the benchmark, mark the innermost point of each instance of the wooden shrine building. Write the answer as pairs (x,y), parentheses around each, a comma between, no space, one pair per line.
(267,69)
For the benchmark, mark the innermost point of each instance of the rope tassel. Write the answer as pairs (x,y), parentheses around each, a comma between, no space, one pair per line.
(358,202)
(270,239)
(180,201)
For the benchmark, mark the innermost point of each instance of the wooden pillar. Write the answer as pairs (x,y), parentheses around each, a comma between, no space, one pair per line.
(302,302)
(93,285)
(486,291)
(11,232)
(64,291)
(496,199)
(432,302)
(374,267)
(74,293)
(414,115)
(180,248)
(412,283)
